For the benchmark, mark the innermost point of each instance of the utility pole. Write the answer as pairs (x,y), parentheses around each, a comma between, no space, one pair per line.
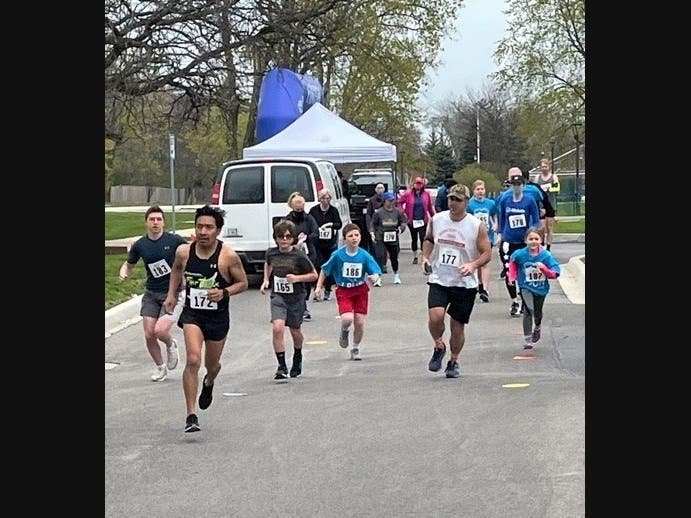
(576,137)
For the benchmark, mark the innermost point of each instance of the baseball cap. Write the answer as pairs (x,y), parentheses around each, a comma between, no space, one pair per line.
(388,195)
(517,180)
(457,191)
(419,180)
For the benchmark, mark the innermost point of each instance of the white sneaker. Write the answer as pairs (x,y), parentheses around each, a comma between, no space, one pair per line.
(355,354)
(378,283)
(173,355)
(396,278)
(160,373)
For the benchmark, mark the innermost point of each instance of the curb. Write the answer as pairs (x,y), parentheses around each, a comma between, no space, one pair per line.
(119,317)
(572,279)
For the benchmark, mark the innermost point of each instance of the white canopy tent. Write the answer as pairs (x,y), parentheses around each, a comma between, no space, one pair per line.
(321,133)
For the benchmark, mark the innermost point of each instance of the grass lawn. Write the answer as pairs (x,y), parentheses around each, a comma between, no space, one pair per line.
(570,227)
(129,224)
(118,292)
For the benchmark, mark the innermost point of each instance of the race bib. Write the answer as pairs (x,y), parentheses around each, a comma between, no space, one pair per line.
(281,285)
(199,299)
(534,274)
(417,223)
(390,236)
(449,256)
(517,221)
(325,233)
(484,217)
(352,270)
(159,268)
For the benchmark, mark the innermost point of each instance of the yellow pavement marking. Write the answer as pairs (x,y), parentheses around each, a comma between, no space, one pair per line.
(515,385)
(525,357)
(317,342)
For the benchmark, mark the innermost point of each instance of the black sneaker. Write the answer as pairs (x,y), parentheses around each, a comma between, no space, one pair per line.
(206,396)
(452,370)
(415,260)
(281,373)
(484,296)
(435,362)
(306,315)
(296,369)
(192,423)
(514,309)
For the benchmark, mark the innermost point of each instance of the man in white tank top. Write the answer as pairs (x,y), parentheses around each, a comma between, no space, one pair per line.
(456,245)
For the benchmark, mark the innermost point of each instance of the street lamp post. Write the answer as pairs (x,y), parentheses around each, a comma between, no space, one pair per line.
(477,133)
(576,137)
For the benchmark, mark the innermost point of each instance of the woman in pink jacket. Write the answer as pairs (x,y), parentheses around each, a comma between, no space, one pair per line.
(416,204)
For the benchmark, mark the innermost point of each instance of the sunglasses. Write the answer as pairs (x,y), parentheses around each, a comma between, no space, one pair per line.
(286,236)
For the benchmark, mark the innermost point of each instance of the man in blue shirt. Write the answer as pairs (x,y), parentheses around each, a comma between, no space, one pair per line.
(516,213)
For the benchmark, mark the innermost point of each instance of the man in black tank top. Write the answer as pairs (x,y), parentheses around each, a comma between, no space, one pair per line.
(212,272)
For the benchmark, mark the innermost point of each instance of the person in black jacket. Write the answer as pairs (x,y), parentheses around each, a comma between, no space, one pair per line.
(329,223)
(307,235)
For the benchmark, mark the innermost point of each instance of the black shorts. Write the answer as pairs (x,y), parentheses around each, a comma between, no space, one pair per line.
(214,327)
(458,302)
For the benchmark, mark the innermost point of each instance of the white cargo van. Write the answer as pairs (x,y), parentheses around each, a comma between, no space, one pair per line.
(254,194)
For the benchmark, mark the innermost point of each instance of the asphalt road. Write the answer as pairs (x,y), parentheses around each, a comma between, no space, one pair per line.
(378,438)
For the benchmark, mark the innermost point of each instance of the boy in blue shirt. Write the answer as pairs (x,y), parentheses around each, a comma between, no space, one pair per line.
(354,270)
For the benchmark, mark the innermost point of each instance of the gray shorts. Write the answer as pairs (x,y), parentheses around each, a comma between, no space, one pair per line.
(289,310)
(152,305)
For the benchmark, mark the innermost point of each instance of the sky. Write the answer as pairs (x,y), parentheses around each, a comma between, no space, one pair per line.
(467,55)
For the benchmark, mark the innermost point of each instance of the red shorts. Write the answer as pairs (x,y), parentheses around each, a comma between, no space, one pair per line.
(353,300)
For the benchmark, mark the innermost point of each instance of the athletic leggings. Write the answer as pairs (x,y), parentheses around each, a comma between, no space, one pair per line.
(415,234)
(393,250)
(532,310)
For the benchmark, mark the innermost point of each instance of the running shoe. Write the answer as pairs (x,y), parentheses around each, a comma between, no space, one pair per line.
(327,295)
(306,315)
(378,283)
(514,309)
(396,278)
(296,369)
(173,355)
(281,373)
(437,356)
(192,423)
(160,373)
(206,395)
(343,340)
(355,355)
(536,334)
(484,296)
(527,346)
(452,370)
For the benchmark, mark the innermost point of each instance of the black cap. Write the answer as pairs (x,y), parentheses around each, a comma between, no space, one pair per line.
(516,180)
